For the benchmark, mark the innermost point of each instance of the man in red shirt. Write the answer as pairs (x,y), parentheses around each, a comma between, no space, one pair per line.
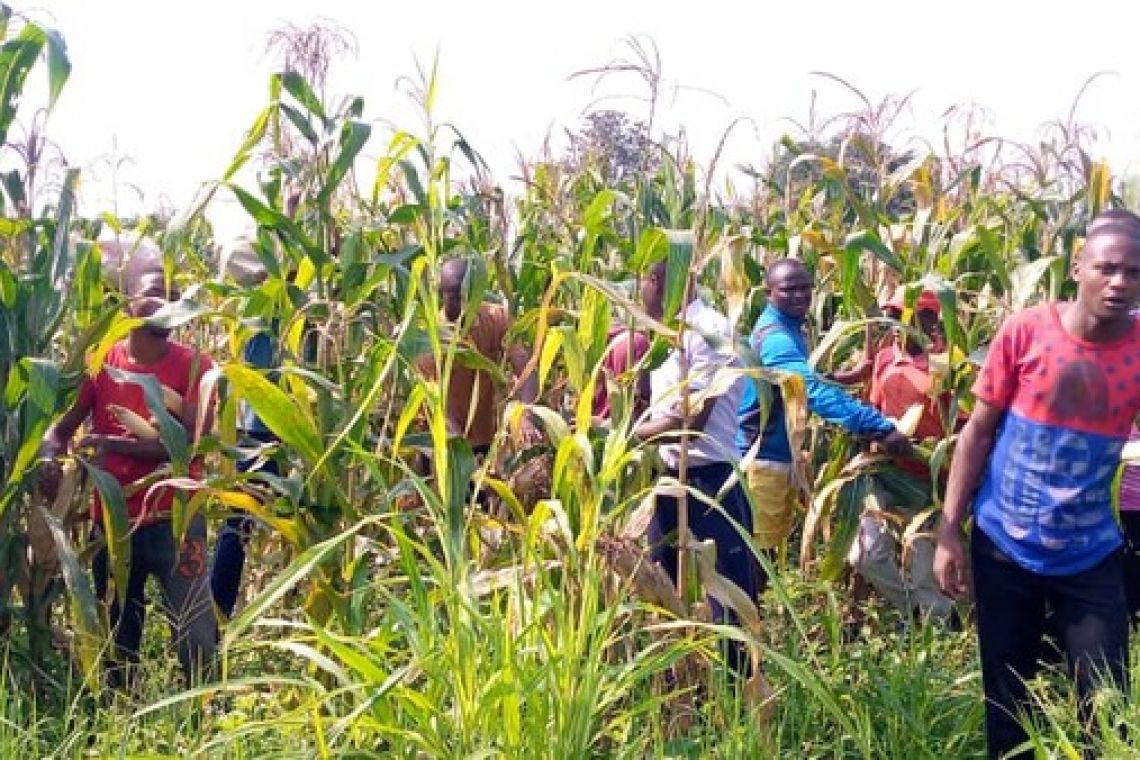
(901,378)
(179,566)
(1054,405)
(625,348)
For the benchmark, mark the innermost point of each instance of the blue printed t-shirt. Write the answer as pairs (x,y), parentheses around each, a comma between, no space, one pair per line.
(1045,497)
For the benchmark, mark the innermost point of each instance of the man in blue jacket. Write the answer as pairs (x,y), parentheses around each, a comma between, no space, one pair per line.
(778,338)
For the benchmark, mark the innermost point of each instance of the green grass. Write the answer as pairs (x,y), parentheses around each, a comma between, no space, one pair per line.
(884,694)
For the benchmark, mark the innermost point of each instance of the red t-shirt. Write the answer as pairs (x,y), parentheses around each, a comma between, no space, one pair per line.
(180,370)
(1045,499)
(898,382)
(618,359)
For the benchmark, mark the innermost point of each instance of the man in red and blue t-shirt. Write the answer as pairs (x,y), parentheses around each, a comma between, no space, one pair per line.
(178,563)
(1055,402)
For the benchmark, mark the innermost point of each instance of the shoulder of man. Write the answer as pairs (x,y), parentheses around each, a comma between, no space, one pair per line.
(490,328)
(1032,316)
(118,356)
(709,319)
(776,341)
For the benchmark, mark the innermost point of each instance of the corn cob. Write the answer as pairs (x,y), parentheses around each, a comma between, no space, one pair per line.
(133,422)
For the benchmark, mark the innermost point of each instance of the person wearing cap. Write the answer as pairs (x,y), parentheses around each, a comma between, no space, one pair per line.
(778,338)
(901,378)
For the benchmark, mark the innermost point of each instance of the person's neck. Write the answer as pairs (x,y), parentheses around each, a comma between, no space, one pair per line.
(145,348)
(784,315)
(1081,324)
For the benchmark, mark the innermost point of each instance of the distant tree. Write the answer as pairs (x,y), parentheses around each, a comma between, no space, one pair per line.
(615,146)
(866,160)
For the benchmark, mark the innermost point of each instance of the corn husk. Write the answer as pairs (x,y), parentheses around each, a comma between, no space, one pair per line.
(172,400)
(134,423)
(908,423)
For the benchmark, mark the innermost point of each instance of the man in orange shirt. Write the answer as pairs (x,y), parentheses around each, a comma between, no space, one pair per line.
(471,393)
(901,378)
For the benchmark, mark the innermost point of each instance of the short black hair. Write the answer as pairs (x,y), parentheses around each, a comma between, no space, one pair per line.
(1115,221)
(780,265)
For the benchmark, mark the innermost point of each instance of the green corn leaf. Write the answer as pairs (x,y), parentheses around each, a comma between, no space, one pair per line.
(116,525)
(89,638)
(300,569)
(353,136)
(59,65)
(299,88)
(280,413)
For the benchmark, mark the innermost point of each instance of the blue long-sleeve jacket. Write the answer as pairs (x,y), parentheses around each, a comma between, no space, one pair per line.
(779,341)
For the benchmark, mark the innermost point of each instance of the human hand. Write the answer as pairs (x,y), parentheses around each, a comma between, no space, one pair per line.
(48,477)
(897,445)
(530,434)
(99,445)
(950,561)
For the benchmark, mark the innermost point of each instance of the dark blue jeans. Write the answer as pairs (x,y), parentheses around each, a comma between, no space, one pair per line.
(229,550)
(1089,618)
(734,557)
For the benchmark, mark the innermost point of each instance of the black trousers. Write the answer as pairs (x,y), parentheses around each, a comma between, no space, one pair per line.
(233,538)
(1089,618)
(1130,521)
(183,580)
(734,557)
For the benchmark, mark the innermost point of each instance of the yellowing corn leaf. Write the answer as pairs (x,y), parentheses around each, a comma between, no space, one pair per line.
(815,239)
(722,589)
(1099,187)
(908,423)
(238,500)
(793,391)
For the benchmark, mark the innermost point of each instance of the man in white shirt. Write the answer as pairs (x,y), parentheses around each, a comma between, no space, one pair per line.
(710,441)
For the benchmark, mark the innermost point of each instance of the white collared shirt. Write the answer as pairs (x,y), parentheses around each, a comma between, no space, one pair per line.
(706,368)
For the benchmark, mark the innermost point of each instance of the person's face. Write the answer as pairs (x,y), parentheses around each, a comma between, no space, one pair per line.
(451,295)
(1108,276)
(653,291)
(790,291)
(931,325)
(150,294)
(451,292)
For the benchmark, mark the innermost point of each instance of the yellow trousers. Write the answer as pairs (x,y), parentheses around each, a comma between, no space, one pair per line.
(774,502)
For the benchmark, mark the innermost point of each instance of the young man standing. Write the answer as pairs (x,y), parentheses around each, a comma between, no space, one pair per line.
(709,440)
(778,338)
(1055,402)
(179,567)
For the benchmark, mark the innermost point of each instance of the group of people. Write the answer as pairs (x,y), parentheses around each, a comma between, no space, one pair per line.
(1034,464)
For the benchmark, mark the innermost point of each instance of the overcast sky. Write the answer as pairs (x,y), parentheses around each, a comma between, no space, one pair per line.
(173,86)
